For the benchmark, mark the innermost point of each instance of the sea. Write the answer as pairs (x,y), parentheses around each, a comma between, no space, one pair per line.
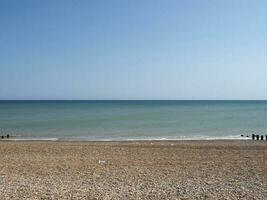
(132,120)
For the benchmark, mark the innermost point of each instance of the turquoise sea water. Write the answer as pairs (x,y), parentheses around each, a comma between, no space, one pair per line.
(132,120)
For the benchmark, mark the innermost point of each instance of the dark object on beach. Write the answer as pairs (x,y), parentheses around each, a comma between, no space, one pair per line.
(7,136)
(247,136)
(265,137)
(253,136)
(258,137)
(2,137)
(262,137)
(242,135)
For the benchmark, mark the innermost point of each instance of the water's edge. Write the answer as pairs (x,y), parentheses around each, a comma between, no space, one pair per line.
(197,138)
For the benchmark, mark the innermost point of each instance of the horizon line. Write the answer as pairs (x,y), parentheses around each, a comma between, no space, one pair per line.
(133,99)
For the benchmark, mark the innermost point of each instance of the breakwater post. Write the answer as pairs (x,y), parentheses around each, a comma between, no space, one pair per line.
(258,137)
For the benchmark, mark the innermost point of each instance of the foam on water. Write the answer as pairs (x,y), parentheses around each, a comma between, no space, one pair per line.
(231,137)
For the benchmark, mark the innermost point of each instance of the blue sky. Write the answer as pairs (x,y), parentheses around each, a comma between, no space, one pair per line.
(136,49)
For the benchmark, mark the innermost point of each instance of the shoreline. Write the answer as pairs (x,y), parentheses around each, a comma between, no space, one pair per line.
(81,139)
(126,141)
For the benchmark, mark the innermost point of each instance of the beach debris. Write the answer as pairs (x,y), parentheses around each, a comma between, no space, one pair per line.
(2,137)
(101,161)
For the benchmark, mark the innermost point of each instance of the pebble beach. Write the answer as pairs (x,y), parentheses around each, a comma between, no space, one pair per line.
(133,170)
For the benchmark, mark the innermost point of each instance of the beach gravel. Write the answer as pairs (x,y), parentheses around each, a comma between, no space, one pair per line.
(133,170)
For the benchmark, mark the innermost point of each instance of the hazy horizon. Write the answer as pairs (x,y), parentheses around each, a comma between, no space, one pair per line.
(224,100)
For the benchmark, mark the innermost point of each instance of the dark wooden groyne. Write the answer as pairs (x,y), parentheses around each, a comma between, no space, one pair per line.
(258,137)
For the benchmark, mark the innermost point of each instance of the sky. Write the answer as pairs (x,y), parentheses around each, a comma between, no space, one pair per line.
(134,49)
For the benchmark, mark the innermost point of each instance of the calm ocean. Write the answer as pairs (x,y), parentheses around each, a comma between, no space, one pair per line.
(132,120)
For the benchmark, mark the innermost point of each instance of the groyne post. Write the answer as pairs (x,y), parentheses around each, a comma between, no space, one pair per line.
(253,136)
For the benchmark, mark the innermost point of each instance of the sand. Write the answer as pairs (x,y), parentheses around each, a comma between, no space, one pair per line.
(133,170)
